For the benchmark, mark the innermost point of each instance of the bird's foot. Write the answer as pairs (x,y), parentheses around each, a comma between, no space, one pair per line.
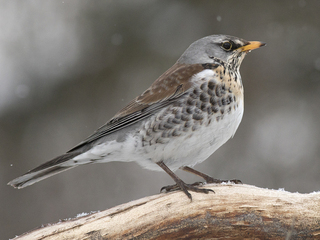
(185,187)
(175,187)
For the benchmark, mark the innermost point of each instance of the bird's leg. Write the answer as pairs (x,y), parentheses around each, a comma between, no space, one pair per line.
(207,178)
(180,184)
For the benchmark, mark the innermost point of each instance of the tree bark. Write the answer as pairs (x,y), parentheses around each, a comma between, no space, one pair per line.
(233,212)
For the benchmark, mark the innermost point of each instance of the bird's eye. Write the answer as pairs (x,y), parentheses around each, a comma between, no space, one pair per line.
(226,46)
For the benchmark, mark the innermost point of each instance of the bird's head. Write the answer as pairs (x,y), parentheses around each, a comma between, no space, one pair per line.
(217,48)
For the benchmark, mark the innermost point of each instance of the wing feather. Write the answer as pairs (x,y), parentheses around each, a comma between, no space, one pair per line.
(168,88)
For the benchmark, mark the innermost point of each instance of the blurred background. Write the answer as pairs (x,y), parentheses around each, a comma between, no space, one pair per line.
(66,67)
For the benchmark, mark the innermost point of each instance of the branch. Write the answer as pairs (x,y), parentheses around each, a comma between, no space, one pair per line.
(233,212)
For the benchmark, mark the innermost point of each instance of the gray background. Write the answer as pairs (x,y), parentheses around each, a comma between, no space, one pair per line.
(66,67)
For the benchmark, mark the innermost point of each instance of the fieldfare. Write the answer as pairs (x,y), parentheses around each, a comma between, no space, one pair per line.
(179,121)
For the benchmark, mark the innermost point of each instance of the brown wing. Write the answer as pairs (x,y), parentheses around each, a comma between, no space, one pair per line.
(167,88)
(176,78)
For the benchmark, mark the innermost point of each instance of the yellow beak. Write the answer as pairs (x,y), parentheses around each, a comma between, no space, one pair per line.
(251,45)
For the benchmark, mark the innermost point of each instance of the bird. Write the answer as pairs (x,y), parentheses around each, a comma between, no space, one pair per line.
(190,111)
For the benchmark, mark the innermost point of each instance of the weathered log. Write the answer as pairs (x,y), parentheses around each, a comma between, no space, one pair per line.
(233,212)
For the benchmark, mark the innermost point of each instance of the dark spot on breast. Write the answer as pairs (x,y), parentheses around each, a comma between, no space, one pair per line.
(165,134)
(230,99)
(170,120)
(214,109)
(203,86)
(209,111)
(194,96)
(175,133)
(229,109)
(191,102)
(218,91)
(226,101)
(185,117)
(211,85)
(213,101)
(196,92)
(210,92)
(184,110)
(197,116)
(203,107)
(197,110)
(189,110)
(234,98)
(176,121)
(204,97)
(222,111)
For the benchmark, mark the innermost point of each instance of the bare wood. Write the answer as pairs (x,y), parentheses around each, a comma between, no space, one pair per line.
(233,212)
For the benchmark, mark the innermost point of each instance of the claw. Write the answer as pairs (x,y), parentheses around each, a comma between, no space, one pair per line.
(185,187)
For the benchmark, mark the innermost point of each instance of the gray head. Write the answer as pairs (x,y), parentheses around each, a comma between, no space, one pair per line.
(211,49)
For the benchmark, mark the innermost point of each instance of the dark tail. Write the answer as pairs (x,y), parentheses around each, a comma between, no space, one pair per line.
(48,169)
